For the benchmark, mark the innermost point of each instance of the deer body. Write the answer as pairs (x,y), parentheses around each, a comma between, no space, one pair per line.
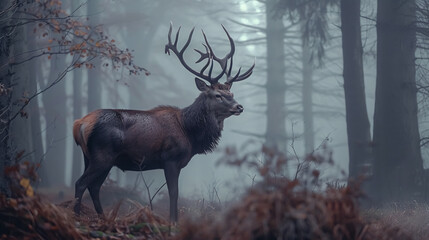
(162,138)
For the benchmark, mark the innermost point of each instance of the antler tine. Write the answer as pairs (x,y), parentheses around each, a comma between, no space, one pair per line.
(212,57)
(247,74)
(230,67)
(231,42)
(177,36)
(238,77)
(179,53)
(167,48)
(203,56)
(231,80)
(222,61)
(211,69)
(187,41)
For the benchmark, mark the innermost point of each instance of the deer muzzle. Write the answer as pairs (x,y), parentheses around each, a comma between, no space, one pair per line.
(237,109)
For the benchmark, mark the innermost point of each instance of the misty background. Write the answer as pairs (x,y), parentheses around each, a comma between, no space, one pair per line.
(310,83)
(143,26)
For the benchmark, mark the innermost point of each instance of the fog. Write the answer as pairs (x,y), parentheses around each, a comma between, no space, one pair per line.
(142,28)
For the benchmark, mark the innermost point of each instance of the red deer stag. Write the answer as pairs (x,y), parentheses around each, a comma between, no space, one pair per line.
(162,138)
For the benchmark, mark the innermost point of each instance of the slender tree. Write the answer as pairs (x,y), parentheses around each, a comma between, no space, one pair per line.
(358,127)
(34,116)
(78,74)
(5,89)
(94,83)
(276,85)
(138,95)
(307,96)
(54,103)
(20,128)
(312,16)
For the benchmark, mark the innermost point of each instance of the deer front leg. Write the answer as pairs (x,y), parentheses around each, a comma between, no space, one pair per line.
(171,172)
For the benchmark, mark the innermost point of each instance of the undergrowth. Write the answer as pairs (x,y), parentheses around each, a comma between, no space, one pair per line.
(275,207)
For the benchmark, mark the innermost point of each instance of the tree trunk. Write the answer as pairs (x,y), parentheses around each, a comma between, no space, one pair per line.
(138,97)
(276,85)
(398,160)
(54,103)
(77,113)
(358,127)
(25,130)
(37,125)
(94,80)
(20,129)
(78,74)
(307,98)
(5,97)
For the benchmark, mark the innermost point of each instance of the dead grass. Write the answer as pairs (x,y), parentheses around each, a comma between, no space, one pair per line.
(275,208)
(31,218)
(289,214)
(282,208)
(412,218)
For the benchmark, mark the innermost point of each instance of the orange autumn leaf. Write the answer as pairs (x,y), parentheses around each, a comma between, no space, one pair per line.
(25,183)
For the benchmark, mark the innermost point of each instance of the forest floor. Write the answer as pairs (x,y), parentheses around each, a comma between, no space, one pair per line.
(284,213)
(275,207)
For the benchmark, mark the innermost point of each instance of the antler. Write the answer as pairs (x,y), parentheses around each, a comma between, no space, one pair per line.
(223,62)
(211,58)
(173,47)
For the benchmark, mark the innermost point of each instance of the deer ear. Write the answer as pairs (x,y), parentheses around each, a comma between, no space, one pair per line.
(201,85)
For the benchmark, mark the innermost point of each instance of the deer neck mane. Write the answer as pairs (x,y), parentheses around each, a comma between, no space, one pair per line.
(201,125)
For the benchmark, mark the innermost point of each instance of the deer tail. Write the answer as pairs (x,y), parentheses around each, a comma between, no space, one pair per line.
(79,135)
(82,130)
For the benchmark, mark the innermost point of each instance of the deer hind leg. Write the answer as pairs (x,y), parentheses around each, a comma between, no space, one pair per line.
(81,185)
(93,178)
(94,191)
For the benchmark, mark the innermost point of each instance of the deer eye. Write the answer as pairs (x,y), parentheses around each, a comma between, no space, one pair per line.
(218,96)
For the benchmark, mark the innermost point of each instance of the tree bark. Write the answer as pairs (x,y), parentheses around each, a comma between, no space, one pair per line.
(20,127)
(358,127)
(78,74)
(307,98)
(77,113)
(5,97)
(57,129)
(398,160)
(94,80)
(36,125)
(54,103)
(276,85)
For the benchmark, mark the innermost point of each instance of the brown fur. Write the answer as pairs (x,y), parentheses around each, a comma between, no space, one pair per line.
(82,129)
